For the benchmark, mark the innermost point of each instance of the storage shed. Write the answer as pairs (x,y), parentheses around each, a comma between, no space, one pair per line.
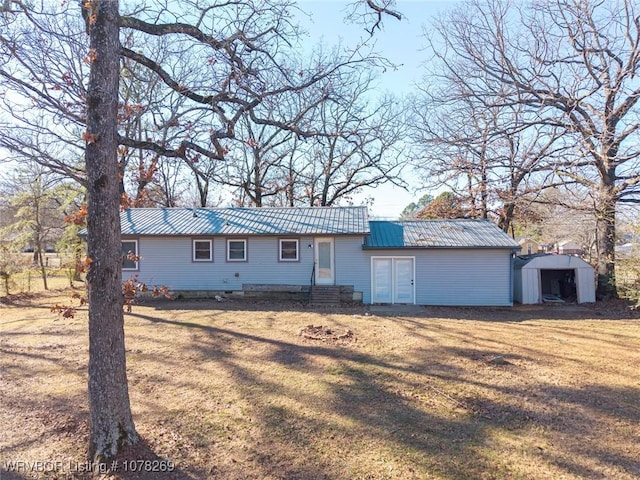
(553,278)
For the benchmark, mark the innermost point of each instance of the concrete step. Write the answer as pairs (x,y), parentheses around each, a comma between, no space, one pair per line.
(325,295)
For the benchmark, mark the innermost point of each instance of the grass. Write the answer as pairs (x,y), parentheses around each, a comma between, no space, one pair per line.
(29,281)
(233,391)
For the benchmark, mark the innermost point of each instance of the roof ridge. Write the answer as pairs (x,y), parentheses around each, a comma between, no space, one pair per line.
(321,207)
(417,220)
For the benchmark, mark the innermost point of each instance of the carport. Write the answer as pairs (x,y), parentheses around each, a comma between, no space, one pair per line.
(553,278)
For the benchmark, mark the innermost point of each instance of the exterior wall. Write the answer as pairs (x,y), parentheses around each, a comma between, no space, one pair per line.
(352,265)
(167,260)
(443,276)
(569,248)
(462,277)
(529,244)
(517,285)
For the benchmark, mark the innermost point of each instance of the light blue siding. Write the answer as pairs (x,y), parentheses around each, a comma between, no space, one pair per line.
(352,265)
(167,260)
(457,277)
(443,276)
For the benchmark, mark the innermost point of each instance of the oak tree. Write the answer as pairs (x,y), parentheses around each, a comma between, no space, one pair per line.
(225,60)
(572,66)
(111,422)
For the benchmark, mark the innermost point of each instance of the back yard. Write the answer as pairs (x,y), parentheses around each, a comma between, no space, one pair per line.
(233,390)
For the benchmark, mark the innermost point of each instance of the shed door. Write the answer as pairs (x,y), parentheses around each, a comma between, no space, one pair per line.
(392,280)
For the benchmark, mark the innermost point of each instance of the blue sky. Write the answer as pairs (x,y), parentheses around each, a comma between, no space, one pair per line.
(399,41)
(402,44)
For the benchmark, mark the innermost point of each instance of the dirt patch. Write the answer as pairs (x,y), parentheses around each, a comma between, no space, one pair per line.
(327,334)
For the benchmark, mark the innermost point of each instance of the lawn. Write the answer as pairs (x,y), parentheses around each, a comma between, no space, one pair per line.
(235,390)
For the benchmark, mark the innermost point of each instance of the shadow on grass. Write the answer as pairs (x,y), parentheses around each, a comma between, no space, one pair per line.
(572,415)
(140,462)
(373,404)
(610,310)
(366,392)
(11,475)
(58,413)
(286,445)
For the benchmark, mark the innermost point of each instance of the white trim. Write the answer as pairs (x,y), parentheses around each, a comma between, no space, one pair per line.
(244,241)
(193,250)
(136,253)
(297,242)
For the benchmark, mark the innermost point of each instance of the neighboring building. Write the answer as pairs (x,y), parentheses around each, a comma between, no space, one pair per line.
(626,250)
(528,246)
(569,247)
(296,250)
(546,248)
(553,278)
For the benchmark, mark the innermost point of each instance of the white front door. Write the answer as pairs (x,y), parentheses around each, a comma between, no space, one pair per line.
(392,280)
(325,274)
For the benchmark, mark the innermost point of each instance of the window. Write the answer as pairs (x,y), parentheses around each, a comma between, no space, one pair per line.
(202,251)
(288,250)
(236,250)
(129,249)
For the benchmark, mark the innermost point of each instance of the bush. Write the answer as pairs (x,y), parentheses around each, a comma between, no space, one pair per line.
(628,277)
(10,265)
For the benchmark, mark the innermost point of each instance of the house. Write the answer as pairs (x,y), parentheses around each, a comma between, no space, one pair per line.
(529,246)
(250,251)
(553,278)
(569,247)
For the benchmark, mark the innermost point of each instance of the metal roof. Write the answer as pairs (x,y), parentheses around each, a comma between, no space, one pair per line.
(438,234)
(549,261)
(245,221)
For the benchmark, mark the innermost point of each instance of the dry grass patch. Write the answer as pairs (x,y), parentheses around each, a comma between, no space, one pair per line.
(234,391)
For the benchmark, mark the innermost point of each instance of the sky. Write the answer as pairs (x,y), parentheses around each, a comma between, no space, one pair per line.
(402,44)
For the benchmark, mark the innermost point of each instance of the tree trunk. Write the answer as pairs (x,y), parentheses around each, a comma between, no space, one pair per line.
(77,254)
(257,183)
(111,425)
(606,236)
(484,186)
(41,264)
(204,193)
(5,277)
(506,219)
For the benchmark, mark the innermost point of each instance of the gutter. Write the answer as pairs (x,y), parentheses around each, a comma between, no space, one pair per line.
(440,247)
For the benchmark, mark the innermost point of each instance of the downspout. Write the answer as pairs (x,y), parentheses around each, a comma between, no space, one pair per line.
(512,265)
